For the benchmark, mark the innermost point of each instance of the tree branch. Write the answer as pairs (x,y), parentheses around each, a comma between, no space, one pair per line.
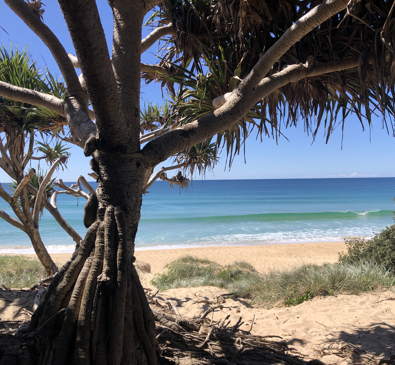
(128,18)
(82,181)
(29,153)
(11,220)
(295,33)
(155,35)
(232,111)
(76,114)
(160,172)
(72,190)
(52,208)
(5,161)
(74,60)
(83,20)
(62,222)
(42,187)
(25,180)
(4,195)
(32,97)
(81,125)
(154,134)
(34,22)
(295,73)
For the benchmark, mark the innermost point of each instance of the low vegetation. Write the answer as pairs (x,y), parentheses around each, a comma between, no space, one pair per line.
(368,264)
(379,250)
(284,288)
(20,272)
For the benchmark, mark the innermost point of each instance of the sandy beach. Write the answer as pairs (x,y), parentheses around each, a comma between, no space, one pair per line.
(264,258)
(338,330)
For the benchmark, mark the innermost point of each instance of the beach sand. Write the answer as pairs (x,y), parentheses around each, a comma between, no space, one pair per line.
(338,330)
(264,258)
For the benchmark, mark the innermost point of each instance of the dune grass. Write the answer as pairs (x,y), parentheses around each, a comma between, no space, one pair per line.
(20,272)
(284,288)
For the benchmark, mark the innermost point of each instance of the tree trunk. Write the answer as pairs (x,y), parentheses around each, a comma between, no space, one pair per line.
(95,311)
(41,251)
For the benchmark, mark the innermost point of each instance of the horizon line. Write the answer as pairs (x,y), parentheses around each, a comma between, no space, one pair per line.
(271,178)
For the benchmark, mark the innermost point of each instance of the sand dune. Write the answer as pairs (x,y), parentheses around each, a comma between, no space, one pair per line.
(340,330)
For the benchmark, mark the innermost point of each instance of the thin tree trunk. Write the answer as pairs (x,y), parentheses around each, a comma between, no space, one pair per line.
(95,311)
(41,251)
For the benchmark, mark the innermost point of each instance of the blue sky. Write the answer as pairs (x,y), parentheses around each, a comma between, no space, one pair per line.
(363,154)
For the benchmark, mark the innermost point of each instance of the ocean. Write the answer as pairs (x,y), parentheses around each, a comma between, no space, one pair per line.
(237,212)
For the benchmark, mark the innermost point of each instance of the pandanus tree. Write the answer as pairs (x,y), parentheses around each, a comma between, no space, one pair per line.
(21,126)
(232,67)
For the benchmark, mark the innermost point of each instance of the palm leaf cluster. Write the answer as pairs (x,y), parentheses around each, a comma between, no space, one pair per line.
(153,117)
(200,157)
(20,122)
(17,69)
(52,150)
(217,42)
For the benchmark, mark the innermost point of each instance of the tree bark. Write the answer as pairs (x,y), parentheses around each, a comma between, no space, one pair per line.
(95,310)
(41,251)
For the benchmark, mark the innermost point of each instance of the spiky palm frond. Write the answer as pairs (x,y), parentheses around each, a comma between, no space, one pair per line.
(17,69)
(153,117)
(52,152)
(222,40)
(199,158)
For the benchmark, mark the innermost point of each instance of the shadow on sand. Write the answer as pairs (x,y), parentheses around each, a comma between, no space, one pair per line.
(372,345)
(223,347)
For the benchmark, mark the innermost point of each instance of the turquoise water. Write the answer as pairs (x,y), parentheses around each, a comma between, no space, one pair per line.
(240,212)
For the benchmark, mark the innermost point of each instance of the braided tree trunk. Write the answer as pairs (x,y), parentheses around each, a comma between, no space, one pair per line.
(95,311)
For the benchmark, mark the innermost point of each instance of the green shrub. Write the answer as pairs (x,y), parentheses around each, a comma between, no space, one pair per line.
(309,281)
(20,272)
(190,271)
(379,250)
(286,288)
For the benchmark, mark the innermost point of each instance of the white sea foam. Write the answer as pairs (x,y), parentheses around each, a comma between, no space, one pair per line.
(213,241)
(29,250)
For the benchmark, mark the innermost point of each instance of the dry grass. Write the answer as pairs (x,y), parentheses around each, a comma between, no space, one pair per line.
(20,272)
(286,288)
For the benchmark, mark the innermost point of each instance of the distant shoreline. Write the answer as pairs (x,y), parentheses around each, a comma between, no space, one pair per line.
(265,258)
(68,249)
